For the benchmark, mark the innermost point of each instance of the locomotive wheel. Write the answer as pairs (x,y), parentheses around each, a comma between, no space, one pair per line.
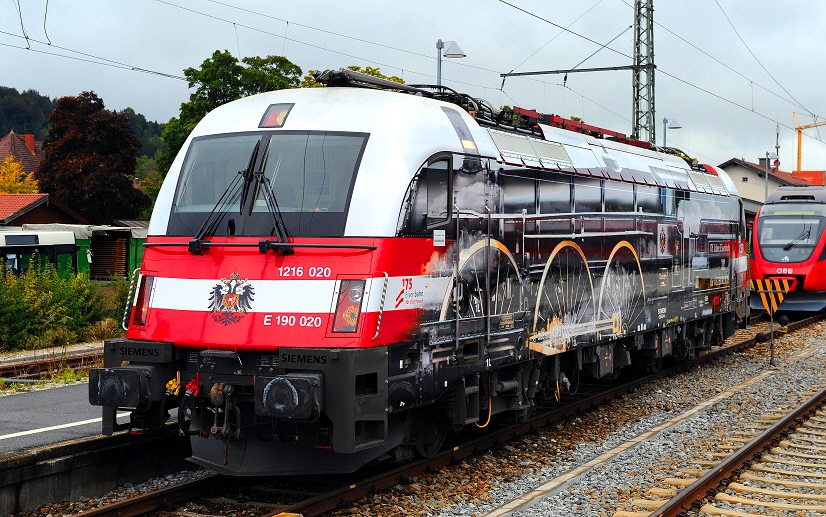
(566,292)
(427,432)
(505,283)
(622,290)
(654,365)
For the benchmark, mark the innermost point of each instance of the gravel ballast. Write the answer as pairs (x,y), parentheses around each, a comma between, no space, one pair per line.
(481,484)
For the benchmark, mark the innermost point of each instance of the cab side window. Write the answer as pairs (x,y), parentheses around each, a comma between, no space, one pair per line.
(437,178)
(428,203)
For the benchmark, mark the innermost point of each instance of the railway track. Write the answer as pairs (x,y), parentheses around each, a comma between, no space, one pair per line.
(37,367)
(276,498)
(777,464)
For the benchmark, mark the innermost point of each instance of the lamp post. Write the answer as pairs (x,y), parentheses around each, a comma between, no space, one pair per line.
(769,156)
(669,123)
(452,51)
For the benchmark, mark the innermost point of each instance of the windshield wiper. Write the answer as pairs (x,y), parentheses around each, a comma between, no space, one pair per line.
(791,244)
(279,228)
(239,185)
(249,176)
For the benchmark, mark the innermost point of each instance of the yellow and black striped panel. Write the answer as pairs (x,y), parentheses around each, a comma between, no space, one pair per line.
(772,291)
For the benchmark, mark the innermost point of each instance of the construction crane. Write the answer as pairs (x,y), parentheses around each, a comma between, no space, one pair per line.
(799,128)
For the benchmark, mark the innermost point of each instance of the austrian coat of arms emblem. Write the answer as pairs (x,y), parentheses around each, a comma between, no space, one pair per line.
(231,299)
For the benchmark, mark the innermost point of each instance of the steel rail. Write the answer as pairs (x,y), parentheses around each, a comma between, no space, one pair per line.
(692,496)
(34,368)
(151,501)
(332,500)
(348,494)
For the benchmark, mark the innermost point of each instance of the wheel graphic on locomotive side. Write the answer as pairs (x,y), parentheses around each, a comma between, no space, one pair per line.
(622,291)
(564,302)
(505,281)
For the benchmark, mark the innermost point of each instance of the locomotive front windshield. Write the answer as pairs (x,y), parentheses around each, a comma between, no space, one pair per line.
(233,183)
(789,232)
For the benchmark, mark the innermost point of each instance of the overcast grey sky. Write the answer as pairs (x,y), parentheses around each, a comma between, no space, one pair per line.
(725,101)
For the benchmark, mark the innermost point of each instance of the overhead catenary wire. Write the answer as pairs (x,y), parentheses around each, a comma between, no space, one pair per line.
(729,68)
(354,38)
(91,57)
(586,38)
(22,28)
(45,14)
(660,70)
(602,47)
(178,77)
(758,60)
(319,47)
(556,35)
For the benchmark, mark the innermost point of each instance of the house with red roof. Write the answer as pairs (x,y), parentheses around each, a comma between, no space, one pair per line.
(19,209)
(813,177)
(750,179)
(26,150)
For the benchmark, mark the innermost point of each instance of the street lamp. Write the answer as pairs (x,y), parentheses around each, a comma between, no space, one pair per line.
(452,50)
(769,156)
(669,123)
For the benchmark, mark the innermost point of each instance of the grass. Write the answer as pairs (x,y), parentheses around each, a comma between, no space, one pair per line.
(66,375)
(6,389)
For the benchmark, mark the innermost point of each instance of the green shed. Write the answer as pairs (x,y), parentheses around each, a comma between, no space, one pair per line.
(103,252)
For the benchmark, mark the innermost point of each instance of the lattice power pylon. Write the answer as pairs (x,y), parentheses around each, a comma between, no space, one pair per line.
(643,126)
(643,71)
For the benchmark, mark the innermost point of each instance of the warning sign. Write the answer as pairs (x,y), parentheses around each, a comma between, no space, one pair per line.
(772,291)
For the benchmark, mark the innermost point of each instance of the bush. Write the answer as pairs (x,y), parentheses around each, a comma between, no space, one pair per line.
(39,308)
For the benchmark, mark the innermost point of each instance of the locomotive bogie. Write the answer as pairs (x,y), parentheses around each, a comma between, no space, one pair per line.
(381,270)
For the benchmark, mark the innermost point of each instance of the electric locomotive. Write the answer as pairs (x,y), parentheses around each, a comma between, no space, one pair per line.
(336,276)
(789,245)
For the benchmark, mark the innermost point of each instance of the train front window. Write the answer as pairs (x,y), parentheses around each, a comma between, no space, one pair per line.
(211,166)
(308,175)
(789,232)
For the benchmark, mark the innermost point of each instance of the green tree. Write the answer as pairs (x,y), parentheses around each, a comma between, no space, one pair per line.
(309,82)
(90,157)
(24,112)
(221,79)
(149,133)
(150,180)
(13,180)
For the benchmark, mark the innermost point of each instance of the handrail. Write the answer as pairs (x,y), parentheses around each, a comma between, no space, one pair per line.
(381,307)
(129,299)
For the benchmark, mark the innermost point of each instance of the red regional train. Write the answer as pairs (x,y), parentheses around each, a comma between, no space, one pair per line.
(341,275)
(789,245)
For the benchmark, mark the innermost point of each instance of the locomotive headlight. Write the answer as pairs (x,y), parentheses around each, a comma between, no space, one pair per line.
(348,306)
(356,293)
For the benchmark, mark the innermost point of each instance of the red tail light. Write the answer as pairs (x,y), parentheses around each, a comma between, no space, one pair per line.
(348,306)
(142,303)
